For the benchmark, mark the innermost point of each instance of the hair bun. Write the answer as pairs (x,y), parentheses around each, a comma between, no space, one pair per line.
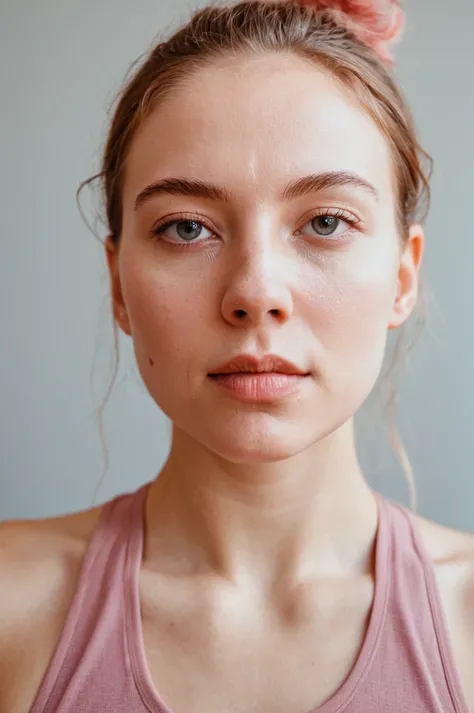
(377,23)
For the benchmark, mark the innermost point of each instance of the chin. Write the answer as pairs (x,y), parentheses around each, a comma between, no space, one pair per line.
(258,453)
(264,442)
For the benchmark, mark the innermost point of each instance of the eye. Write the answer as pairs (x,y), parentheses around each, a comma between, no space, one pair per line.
(332,223)
(186,230)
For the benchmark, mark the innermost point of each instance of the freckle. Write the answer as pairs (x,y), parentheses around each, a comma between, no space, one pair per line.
(151,361)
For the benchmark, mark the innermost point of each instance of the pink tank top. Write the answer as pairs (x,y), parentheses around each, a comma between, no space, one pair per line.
(405,665)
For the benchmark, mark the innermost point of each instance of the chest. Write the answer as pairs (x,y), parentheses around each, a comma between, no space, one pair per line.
(225,652)
(211,651)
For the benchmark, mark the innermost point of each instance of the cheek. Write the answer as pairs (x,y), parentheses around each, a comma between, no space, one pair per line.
(353,308)
(167,312)
(350,308)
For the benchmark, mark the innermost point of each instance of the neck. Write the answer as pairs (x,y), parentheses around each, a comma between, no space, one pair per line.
(308,516)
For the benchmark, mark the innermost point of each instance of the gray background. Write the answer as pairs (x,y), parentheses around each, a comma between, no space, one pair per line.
(62,62)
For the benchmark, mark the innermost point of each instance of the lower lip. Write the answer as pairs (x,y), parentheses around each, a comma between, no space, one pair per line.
(256,388)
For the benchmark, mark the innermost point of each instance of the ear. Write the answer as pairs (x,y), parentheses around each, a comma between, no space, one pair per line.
(408,277)
(118,305)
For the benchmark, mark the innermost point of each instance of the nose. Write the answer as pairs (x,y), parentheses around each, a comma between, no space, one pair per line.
(258,289)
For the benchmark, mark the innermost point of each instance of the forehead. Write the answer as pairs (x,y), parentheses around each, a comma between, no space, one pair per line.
(254,123)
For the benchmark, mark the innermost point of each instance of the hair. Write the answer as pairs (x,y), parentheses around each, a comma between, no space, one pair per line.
(340,36)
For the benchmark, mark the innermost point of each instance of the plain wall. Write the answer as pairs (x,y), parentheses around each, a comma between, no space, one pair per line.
(62,63)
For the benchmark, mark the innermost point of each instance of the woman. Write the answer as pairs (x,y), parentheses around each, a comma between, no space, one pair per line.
(263,183)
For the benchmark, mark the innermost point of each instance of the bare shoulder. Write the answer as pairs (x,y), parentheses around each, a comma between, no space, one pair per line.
(452,554)
(40,562)
(446,544)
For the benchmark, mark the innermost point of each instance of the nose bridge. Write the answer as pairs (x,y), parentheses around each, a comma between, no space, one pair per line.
(258,247)
(257,260)
(258,278)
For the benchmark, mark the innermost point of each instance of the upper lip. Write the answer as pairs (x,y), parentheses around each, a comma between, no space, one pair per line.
(250,363)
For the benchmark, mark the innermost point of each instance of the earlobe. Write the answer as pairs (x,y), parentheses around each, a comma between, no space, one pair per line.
(401,311)
(119,310)
(408,277)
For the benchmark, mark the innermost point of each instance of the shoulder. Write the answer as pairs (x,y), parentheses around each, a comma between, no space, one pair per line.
(452,555)
(33,549)
(449,549)
(40,562)
(27,546)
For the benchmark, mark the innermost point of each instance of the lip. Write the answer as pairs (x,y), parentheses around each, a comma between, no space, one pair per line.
(267,379)
(250,364)
(263,387)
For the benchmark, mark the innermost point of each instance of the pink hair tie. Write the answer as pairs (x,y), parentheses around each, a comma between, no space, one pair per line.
(379,24)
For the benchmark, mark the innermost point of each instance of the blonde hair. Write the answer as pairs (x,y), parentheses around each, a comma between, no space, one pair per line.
(316,34)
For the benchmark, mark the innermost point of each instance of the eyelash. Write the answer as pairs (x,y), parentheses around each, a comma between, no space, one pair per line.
(339,213)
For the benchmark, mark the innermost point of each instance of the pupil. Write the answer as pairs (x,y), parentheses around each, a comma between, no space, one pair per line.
(190,227)
(326,224)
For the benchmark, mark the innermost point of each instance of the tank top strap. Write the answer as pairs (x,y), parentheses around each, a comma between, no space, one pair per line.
(416,606)
(133,625)
(95,615)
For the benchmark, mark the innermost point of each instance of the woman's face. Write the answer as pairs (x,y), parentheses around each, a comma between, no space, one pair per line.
(315,276)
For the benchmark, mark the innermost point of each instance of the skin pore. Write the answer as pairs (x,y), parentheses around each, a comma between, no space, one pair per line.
(261,498)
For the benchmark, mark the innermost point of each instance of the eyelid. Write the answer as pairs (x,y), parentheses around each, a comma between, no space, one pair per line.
(341,213)
(175,218)
(338,212)
(163,223)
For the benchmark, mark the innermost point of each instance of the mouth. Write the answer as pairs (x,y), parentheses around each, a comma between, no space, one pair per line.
(253,379)
(250,364)
(263,387)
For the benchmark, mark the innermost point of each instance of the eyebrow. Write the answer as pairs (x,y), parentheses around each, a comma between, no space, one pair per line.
(295,189)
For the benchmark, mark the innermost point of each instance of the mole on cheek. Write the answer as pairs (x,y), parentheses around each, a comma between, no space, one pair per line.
(151,361)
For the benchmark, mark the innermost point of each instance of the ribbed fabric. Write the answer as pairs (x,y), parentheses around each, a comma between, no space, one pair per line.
(406,663)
